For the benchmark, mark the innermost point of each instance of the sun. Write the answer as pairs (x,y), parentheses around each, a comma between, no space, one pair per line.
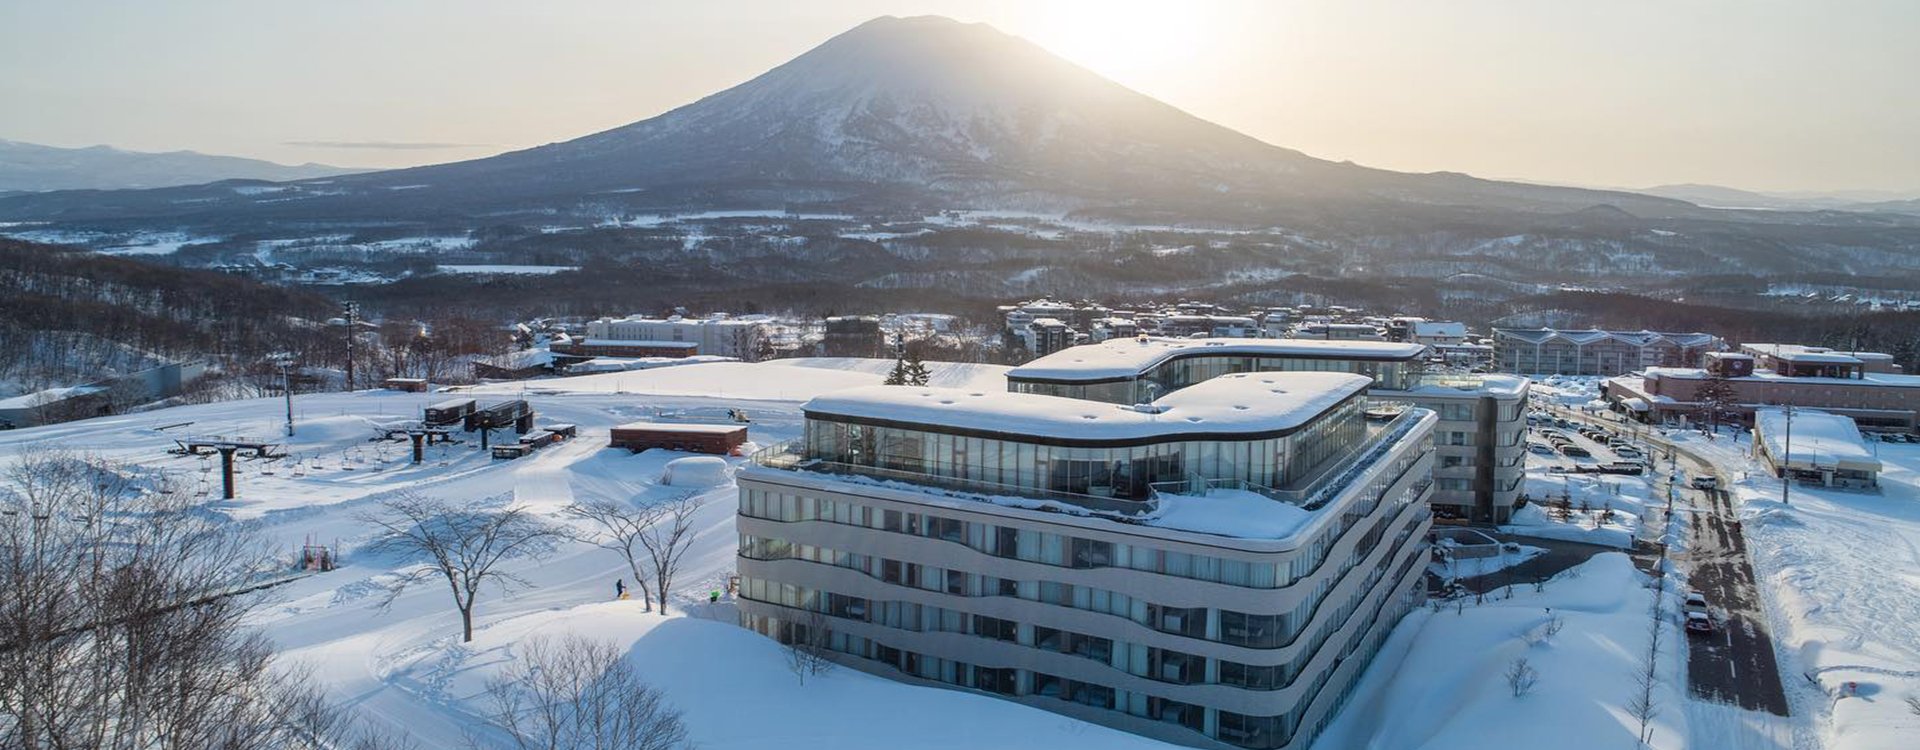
(1124,39)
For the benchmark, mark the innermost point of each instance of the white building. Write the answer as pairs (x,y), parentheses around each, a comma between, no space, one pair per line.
(1816,447)
(715,335)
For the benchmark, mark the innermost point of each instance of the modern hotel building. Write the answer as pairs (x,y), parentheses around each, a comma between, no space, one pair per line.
(1480,439)
(1214,568)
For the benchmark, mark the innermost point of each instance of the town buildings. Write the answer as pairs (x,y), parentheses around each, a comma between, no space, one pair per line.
(1546,351)
(1838,383)
(1481,432)
(1214,568)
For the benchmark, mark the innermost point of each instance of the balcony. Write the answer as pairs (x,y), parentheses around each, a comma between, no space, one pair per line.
(1320,484)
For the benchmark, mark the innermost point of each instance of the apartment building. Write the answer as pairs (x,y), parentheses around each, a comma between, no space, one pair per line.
(1214,569)
(1481,434)
(1547,351)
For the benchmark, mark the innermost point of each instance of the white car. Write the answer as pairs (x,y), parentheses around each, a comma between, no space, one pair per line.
(1704,482)
(1696,602)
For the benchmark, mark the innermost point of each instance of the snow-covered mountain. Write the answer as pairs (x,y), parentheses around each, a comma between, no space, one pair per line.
(924,113)
(31,167)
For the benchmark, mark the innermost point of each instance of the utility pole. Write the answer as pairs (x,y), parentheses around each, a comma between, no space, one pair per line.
(285,361)
(1786,462)
(351,308)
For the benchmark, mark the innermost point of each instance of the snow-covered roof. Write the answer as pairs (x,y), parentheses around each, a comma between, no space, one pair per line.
(1440,328)
(1636,338)
(1128,358)
(1820,439)
(1249,403)
(1871,379)
(48,396)
(684,427)
(1478,384)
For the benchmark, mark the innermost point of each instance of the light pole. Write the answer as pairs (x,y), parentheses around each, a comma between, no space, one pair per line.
(1786,462)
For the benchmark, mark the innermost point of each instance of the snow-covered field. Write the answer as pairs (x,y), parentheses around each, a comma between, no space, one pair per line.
(405,668)
(1437,684)
(1841,574)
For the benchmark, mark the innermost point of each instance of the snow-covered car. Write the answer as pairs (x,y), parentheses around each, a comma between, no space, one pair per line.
(1696,602)
(1627,451)
(1704,482)
(1575,450)
(1699,622)
(1540,448)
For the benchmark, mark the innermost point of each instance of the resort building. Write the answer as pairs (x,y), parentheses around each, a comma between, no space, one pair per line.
(1843,384)
(1546,351)
(1214,569)
(1481,434)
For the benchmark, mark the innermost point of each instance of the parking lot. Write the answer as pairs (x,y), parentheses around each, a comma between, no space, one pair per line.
(1735,662)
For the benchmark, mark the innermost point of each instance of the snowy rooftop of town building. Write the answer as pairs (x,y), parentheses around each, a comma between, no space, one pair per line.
(1889,380)
(1815,354)
(654,343)
(691,428)
(1241,403)
(1439,328)
(1819,439)
(1126,358)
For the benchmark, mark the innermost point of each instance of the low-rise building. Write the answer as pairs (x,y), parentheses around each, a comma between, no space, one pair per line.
(1875,401)
(717,335)
(1213,569)
(1814,447)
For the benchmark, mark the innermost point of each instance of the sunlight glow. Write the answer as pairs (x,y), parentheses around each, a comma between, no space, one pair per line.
(1127,40)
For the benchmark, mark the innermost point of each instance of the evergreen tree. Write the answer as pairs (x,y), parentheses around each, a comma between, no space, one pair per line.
(898,375)
(1718,399)
(915,372)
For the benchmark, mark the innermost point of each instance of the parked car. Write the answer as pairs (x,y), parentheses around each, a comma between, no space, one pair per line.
(1699,622)
(1704,482)
(1540,448)
(1575,450)
(1696,602)
(1627,451)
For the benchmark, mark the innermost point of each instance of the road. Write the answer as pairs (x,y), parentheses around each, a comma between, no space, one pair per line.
(1735,664)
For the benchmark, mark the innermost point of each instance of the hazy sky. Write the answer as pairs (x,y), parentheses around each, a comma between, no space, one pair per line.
(1759,95)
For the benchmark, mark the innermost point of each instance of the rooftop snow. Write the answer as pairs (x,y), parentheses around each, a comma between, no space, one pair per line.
(1879,379)
(684,427)
(1475,383)
(1126,358)
(1819,439)
(1239,403)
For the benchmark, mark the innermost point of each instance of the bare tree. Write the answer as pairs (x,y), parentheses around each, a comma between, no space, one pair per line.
(121,625)
(1545,631)
(667,539)
(464,547)
(806,643)
(575,692)
(1913,704)
(1521,677)
(618,527)
(1643,706)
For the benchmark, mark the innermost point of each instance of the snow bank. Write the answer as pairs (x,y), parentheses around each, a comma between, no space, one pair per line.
(1439,683)
(696,471)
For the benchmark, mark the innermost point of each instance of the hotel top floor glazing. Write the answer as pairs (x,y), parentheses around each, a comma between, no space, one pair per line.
(1267,430)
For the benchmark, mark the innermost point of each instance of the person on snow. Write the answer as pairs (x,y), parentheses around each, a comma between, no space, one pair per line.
(713,596)
(620,588)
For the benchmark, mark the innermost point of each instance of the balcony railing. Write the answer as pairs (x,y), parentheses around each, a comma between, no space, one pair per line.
(786,457)
(1319,485)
